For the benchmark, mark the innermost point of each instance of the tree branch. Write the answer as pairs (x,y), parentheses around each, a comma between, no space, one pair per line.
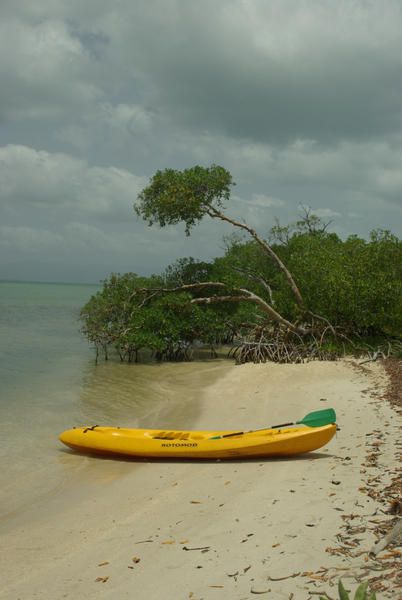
(183,288)
(248,296)
(320,318)
(238,294)
(258,279)
(216,214)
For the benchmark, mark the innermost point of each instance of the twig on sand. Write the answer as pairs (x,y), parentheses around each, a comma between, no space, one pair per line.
(321,594)
(283,578)
(395,532)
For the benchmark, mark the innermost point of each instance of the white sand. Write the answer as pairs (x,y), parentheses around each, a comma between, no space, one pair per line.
(256,520)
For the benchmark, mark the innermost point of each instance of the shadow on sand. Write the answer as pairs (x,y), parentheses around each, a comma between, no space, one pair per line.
(309,456)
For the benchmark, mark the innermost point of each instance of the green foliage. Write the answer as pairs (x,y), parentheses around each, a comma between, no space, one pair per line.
(114,318)
(127,316)
(214,323)
(183,196)
(356,284)
(361,592)
(188,270)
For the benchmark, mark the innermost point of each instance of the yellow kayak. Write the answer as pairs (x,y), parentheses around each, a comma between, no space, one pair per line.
(285,441)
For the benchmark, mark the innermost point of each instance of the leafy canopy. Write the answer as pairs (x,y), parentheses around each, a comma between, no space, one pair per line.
(174,196)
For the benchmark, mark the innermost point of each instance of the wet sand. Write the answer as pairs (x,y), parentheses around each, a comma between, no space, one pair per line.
(149,395)
(218,529)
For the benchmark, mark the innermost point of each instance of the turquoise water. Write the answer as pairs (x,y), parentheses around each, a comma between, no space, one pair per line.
(49,382)
(43,359)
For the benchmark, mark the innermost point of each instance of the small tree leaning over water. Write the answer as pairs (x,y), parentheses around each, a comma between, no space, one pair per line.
(190,195)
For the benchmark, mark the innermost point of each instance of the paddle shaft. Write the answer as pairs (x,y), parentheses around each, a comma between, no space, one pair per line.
(261,429)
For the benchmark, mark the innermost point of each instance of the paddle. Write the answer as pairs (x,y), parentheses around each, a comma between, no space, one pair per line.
(318,418)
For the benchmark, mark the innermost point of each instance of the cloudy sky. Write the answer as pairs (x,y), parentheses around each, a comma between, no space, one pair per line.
(300,100)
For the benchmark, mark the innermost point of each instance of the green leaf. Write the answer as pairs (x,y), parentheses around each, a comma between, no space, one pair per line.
(343,595)
(361,591)
(372,596)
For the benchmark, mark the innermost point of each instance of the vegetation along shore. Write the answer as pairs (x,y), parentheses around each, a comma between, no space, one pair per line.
(299,293)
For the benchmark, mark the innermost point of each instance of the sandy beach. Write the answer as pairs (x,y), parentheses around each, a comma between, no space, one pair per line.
(283,529)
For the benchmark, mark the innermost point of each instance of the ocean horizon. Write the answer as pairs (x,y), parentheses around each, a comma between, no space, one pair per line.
(39,282)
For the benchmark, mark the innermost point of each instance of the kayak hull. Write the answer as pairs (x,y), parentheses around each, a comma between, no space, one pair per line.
(156,443)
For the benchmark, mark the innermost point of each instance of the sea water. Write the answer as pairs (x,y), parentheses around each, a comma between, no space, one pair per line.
(49,382)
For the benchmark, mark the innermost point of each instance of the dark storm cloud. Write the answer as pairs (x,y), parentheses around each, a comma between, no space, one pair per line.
(276,72)
(301,100)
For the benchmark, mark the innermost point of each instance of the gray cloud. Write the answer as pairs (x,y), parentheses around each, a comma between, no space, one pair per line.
(300,100)
(43,70)
(60,186)
(272,72)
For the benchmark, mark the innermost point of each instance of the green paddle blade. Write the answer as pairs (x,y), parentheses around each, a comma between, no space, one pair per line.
(319,418)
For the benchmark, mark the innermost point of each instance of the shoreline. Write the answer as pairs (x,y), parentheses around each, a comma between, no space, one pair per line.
(169,393)
(218,529)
